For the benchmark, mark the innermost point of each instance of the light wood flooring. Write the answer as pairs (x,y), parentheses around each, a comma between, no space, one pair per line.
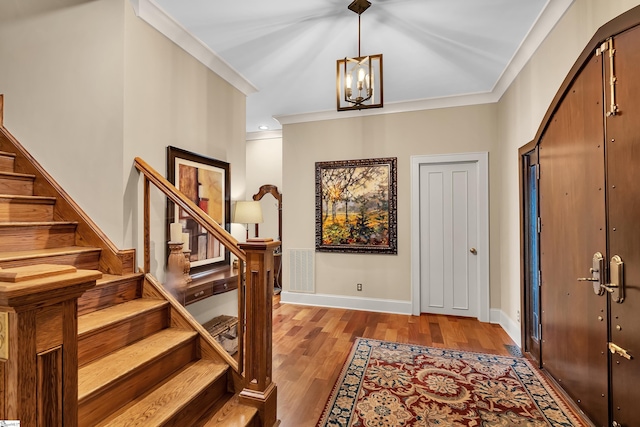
(310,345)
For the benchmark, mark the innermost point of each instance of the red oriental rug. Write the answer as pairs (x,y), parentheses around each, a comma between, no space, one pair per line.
(391,384)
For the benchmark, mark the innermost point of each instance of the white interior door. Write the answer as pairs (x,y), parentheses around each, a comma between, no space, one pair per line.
(449,238)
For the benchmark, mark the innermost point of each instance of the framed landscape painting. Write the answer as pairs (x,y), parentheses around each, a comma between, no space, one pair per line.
(205,181)
(356,206)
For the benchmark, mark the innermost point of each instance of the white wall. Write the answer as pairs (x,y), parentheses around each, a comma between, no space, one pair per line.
(264,166)
(386,279)
(61,73)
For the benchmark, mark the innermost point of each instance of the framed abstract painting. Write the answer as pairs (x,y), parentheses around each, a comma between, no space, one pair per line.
(206,182)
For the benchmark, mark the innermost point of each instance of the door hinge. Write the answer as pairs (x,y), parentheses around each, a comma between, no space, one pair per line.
(539,225)
(607,46)
(539,278)
(538,171)
(539,331)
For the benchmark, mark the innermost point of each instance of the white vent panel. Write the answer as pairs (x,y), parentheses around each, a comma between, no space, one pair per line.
(302,270)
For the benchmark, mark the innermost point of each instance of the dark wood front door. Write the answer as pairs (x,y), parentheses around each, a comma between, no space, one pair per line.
(573,216)
(623,185)
(589,159)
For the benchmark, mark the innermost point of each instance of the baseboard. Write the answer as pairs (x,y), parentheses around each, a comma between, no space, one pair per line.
(511,328)
(350,303)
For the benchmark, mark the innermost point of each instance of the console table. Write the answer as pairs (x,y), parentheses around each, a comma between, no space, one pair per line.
(208,283)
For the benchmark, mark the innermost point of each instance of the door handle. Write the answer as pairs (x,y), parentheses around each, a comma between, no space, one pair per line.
(615,287)
(473,251)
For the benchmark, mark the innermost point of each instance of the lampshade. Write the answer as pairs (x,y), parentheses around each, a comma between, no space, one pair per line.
(247,212)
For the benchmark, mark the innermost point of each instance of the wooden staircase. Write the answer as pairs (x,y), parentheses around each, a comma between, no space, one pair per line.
(138,364)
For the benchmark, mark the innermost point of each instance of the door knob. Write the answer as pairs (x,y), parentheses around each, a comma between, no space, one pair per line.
(473,251)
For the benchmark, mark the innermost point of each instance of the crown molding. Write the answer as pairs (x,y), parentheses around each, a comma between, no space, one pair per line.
(392,108)
(265,134)
(549,17)
(150,12)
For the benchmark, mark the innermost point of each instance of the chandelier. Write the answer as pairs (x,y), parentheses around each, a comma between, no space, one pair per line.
(359,79)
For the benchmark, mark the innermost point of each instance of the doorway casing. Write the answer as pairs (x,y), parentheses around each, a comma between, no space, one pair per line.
(482,160)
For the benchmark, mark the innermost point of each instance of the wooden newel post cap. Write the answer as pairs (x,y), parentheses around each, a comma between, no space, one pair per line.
(259,244)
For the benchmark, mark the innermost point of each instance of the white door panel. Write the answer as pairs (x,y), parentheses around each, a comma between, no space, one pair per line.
(448,230)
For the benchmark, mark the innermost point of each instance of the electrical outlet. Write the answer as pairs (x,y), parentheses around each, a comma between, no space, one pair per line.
(359,286)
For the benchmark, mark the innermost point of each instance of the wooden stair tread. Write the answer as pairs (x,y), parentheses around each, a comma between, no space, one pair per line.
(34,224)
(158,406)
(119,364)
(30,272)
(10,198)
(66,250)
(232,414)
(97,320)
(113,278)
(7,154)
(4,174)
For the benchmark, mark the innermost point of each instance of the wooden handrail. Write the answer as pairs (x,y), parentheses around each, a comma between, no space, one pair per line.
(190,208)
(254,297)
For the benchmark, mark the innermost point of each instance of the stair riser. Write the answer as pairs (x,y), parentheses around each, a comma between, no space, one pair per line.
(16,186)
(24,212)
(97,407)
(33,238)
(114,337)
(105,296)
(7,163)
(84,260)
(194,410)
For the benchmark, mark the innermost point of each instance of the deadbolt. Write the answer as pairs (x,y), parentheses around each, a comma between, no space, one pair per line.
(616,273)
(597,265)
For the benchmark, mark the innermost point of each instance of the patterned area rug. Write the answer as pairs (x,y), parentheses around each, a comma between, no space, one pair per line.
(390,384)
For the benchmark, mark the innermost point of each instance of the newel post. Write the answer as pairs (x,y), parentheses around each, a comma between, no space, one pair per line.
(260,390)
(39,343)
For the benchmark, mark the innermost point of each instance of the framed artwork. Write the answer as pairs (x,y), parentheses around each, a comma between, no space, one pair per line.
(206,182)
(356,206)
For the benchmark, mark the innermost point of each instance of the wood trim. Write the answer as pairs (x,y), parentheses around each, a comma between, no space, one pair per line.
(196,213)
(112,260)
(522,151)
(1,110)
(49,388)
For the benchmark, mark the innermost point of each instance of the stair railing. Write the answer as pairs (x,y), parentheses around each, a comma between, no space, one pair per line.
(255,291)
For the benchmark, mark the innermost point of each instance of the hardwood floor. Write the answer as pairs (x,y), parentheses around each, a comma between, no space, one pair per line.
(310,345)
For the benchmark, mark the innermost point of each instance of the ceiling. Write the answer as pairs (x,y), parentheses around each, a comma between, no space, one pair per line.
(287,50)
